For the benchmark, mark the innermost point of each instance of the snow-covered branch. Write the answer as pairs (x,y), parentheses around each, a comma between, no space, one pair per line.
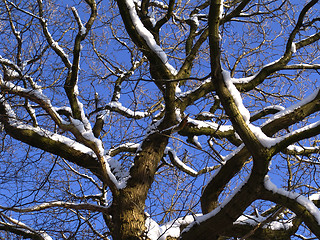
(126,147)
(71,83)
(144,39)
(248,83)
(302,66)
(16,71)
(169,229)
(183,167)
(307,105)
(62,204)
(53,44)
(194,91)
(81,131)
(147,36)
(301,150)
(264,222)
(266,111)
(10,121)
(84,134)
(117,107)
(19,228)
(208,128)
(36,96)
(82,28)
(297,106)
(300,205)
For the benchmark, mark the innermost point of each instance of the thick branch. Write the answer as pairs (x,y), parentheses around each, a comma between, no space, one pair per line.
(70,85)
(237,160)
(300,205)
(61,204)
(159,67)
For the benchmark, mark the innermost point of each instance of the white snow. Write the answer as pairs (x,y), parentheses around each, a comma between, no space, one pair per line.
(217,209)
(249,220)
(117,171)
(147,36)
(236,96)
(250,78)
(271,63)
(32,111)
(184,94)
(7,62)
(221,9)
(114,105)
(263,138)
(45,236)
(83,30)
(10,113)
(37,93)
(225,159)
(172,228)
(152,16)
(273,107)
(276,107)
(160,4)
(23,227)
(233,153)
(196,142)
(76,90)
(178,90)
(55,137)
(82,27)
(290,109)
(315,196)
(293,47)
(305,202)
(23,65)
(103,114)
(84,119)
(206,114)
(280,224)
(195,19)
(153,229)
(67,109)
(56,46)
(12,73)
(178,114)
(151,129)
(181,164)
(204,124)
(129,145)
(243,80)
(87,133)
(301,149)
(269,142)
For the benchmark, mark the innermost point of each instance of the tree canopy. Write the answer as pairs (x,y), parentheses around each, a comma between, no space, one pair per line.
(163,119)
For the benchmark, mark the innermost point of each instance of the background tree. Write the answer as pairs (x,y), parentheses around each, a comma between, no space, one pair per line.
(159,119)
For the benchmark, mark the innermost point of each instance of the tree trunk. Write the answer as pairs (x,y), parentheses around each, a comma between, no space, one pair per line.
(129,207)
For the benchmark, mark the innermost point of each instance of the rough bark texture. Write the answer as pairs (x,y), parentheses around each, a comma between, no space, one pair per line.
(129,207)
(177,51)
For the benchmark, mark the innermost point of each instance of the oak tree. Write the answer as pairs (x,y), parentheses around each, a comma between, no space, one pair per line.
(164,119)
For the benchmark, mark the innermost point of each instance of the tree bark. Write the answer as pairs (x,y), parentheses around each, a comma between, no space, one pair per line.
(129,207)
